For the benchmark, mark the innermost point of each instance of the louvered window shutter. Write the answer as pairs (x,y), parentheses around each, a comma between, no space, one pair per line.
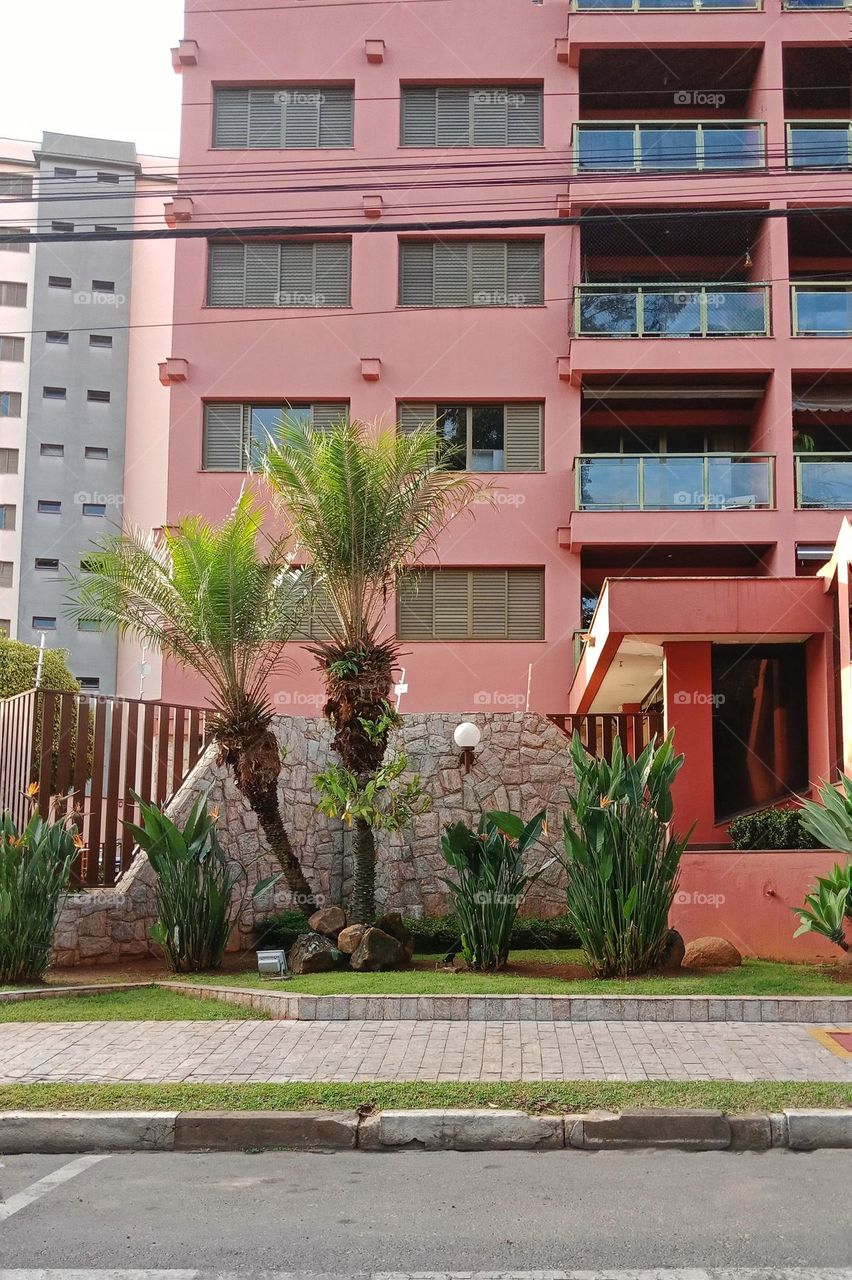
(416,275)
(415,606)
(301,117)
(489,111)
(226,275)
(325,619)
(262,275)
(489,605)
(419,117)
(452,604)
(224,438)
(336,118)
(412,416)
(525,604)
(525,272)
(332,273)
(452,124)
(230,118)
(522,437)
(488,273)
(324,416)
(265,118)
(452,274)
(524,118)
(297,275)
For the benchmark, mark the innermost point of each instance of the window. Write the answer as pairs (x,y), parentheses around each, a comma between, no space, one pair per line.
(90,683)
(94,508)
(320,618)
(15,185)
(59,282)
(233,432)
(10,404)
(307,274)
(7,517)
(5,627)
(472,116)
(88,624)
(42,622)
(87,564)
(103,228)
(12,294)
(11,349)
(464,273)
(103,286)
(66,227)
(46,564)
(481,437)
(49,507)
(52,450)
(63,172)
(9,459)
(289,116)
(19,246)
(6,571)
(54,393)
(471,604)
(96,453)
(100,340)
(56,337)
(98,397)
(107,177)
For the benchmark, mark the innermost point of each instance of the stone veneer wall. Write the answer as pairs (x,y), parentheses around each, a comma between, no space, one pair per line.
(522,765)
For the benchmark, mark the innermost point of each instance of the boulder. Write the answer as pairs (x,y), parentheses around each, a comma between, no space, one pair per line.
(328,921)
(711,953)
(348,939)
(392,923)
(312,953)
(377,950)
(671,956)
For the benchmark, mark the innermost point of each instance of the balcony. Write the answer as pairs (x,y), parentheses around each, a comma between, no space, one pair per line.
(666,146)
(822,310)
(674,482)
(819,144)
(824,481)
(657,6)
(671,310)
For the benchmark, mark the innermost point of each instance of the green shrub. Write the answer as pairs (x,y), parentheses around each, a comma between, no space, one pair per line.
(281,930)
(433,935)
(621,860)
(773,828)
(18,662)
(195,886)
(492,881)
(35,865)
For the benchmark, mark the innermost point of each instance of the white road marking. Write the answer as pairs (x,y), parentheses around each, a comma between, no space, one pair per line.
(64,1173)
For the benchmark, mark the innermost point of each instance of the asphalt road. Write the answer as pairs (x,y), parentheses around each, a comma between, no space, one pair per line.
(352,1213)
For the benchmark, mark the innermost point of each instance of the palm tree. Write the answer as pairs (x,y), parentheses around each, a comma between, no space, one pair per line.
(364,505)
(206,597)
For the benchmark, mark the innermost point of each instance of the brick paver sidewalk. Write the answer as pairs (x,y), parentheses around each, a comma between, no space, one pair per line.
(319,1051)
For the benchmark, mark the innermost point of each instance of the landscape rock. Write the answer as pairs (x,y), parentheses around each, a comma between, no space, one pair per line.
(328,921)
(349,938)
(711,953)
(392,923)
(673,952)
(378,950)
(311,953)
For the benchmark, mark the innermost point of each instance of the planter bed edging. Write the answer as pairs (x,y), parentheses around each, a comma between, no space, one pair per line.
(51,993)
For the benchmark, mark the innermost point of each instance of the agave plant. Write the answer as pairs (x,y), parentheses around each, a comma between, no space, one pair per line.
(621,859)
(35,866)
(829,907)
(830,820)
(492,881)
(195,885)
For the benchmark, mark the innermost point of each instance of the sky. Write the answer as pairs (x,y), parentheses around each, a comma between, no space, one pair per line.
(101,68)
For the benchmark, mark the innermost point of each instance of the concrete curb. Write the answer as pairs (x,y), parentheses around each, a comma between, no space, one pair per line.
(51,1132)
(52,993)
(827,1010)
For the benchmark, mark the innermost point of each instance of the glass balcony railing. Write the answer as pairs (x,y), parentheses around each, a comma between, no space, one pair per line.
(822,310)
(824,480)
(667,145)
(819,144)
(671,310)
(645,6)
(674,482)
(816,4)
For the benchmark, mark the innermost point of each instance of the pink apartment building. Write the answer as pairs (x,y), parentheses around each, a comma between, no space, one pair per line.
(608,248)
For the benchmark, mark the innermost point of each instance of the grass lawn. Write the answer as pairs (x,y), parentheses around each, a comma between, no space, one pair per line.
(577,1096)
(144,1004)
(755,978)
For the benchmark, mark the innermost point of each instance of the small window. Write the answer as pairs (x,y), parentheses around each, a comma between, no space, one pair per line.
(66,227)
(10,404)
(46,564)
(104,228)
(98,397)
(5,627)
(54,393)
(19,246)
(87,564)
(100,340)
(88,624)
(89,683)
(11,349)
(12,294)
(103,286)
(42,622)
(6,573)
(49,507)
(59,282)
(471,604)
(107,177)
(62,172)
(94,508)
(9,459)
(8,512)
(97,453)
(13,184)
(57,337)
(52,450)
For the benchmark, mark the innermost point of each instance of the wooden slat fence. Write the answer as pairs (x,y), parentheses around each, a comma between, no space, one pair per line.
(87,754)
(597,732)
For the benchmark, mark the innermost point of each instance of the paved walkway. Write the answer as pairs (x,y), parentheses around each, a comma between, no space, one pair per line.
(220,1052)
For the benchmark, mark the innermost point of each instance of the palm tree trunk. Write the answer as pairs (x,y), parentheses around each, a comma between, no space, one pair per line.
(362,907)
(263,799)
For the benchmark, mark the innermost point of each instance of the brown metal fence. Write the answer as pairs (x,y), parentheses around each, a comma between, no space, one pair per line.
(87,754)
(598,732)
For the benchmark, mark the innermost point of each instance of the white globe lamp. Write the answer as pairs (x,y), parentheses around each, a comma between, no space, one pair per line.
(467,737)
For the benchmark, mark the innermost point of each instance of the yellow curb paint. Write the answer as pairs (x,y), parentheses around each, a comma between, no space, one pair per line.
(827,1040)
